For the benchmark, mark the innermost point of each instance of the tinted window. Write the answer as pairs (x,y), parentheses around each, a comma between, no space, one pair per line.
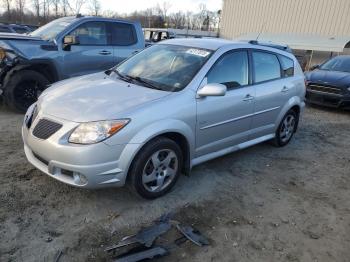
(287,66)
(266,66)
(91,33)
(122,34)
(230,70)
(4,29)
(20,30)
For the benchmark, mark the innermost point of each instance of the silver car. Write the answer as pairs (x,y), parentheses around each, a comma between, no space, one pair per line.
(163,111)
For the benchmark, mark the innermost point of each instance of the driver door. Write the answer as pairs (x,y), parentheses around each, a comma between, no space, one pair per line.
(92,54)
(224,121)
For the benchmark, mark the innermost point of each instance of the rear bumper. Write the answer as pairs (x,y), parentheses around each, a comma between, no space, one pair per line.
(330,100)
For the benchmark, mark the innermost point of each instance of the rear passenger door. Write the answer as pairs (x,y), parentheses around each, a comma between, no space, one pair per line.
(124,40)
(273,90)
(92,54)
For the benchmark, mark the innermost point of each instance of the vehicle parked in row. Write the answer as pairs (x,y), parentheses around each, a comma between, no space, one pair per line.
(329,84)
(153,36)
(13,28)
(166,109)
(64,48)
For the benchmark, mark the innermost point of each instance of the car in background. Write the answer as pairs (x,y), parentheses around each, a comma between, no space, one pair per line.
(153,36)
(329,83)
(168,108)
(64,48)
(13,28)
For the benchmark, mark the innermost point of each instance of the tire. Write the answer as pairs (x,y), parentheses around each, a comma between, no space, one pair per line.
(285,131)
(22,89)
(150,167)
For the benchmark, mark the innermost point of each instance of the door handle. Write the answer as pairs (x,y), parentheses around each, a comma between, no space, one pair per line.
(104,52)
(285,89)
(248,97)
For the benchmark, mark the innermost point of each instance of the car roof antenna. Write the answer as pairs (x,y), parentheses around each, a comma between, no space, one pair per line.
(262,29)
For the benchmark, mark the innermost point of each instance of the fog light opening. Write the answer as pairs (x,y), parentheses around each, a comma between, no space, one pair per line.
(79,179)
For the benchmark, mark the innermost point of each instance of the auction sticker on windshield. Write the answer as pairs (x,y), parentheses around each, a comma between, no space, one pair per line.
(198,52)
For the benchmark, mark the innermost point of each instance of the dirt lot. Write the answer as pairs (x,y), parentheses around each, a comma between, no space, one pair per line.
(260,204)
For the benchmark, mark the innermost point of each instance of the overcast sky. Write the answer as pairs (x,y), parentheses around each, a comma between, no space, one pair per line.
(128,6)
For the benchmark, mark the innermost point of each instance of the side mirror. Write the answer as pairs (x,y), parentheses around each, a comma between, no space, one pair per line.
(314,67)
(68,41)
(212,90)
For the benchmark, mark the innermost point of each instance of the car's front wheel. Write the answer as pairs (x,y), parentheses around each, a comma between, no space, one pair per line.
(286,128)
(23,88)
(156,168)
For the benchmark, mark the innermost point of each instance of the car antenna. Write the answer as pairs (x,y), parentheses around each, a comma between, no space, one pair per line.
(262,29)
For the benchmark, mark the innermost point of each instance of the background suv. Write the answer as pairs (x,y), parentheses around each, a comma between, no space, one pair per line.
(66,47)
(170,107)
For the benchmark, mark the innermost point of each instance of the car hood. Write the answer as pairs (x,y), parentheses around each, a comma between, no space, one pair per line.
(94,97)
(14,36)
(335,78)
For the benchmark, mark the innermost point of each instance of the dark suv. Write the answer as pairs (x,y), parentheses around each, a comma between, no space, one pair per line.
(64,48)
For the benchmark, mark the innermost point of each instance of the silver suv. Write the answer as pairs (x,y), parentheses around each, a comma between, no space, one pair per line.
(166,109)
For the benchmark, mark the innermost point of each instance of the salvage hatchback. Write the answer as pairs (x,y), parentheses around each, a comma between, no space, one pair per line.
(166,109)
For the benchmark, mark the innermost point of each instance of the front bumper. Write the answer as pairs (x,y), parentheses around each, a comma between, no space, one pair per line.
(88,166)
(327,99)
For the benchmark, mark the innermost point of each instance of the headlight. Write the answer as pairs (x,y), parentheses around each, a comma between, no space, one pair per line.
(94,132)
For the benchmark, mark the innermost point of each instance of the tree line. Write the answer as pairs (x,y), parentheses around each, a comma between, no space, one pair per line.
(40,12)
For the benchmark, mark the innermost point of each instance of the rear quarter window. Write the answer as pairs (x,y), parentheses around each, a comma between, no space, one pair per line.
(287,66)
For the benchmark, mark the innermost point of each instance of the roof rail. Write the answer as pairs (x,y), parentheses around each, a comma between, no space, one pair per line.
(270,44)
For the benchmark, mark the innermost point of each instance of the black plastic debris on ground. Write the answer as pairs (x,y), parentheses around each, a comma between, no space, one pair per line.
(145,239)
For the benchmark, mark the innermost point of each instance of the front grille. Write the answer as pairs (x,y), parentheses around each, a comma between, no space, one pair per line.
(324,88)
(46,128)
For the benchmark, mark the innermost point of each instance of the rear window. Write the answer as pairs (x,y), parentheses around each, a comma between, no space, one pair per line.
(266,66)
(123,34)
(287,66)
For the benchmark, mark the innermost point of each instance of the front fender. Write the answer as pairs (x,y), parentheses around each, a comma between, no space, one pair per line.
(151,131)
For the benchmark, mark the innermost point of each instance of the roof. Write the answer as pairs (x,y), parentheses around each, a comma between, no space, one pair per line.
(205,43)
(304,41)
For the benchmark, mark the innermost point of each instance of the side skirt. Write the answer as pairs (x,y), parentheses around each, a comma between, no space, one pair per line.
(210,156)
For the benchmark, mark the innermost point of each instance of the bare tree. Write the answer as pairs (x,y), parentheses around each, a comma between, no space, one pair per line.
(178,19)
(20,9)
(95,7)
(163,10)
(56,4)
(65,7)
(36,5)
(76,5)
(7,5)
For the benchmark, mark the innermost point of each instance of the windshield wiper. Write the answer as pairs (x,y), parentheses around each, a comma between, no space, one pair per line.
(144,82)
(121,76)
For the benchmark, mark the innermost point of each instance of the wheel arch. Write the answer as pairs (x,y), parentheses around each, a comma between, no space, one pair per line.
(176,130)
(294,103)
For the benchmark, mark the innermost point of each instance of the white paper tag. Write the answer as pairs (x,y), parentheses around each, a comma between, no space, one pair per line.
(198,52)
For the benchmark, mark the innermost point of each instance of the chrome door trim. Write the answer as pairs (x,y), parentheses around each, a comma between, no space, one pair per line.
(239,118)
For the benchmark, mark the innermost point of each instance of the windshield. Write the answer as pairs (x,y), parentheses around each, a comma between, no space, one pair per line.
(164,67)
(52,29)
(341,64)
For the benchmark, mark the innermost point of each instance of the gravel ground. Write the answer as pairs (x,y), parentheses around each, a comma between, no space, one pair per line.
(260,204)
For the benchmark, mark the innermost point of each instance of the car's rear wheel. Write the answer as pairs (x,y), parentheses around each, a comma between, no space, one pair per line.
(23,89)
(286,128)
(156,168)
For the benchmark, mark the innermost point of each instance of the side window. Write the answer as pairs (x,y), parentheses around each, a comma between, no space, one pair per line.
(5,29)
(230,70)
(266,66)
(91,33)
(287,66)
(123,34)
